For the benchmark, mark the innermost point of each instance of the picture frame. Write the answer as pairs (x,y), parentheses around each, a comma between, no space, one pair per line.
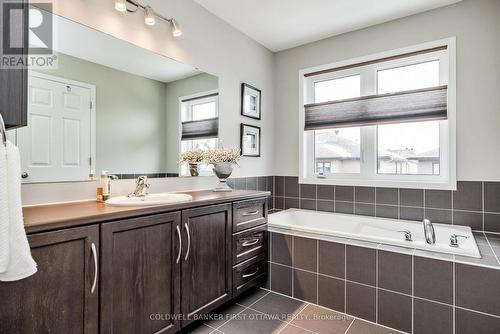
(250,140)
(250,101)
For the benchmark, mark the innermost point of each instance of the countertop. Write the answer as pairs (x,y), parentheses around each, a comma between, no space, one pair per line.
(48,217)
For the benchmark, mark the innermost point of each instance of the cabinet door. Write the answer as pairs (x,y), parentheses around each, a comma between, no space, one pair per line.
(206,259)
(14,82)
(59,297)
(140,275)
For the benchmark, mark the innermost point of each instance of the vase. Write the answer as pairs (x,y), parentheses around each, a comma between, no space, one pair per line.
(193,170)
(223,170)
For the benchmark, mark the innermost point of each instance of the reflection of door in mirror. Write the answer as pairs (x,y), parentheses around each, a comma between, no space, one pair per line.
(200,124)
(57,144)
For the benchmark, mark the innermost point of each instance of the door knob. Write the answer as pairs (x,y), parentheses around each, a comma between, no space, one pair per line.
(25,175)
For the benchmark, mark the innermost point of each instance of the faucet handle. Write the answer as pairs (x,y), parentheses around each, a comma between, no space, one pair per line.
(454,239)
(407,235)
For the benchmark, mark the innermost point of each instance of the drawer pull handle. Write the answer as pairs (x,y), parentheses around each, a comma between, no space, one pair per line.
(250,275)
(250,213)
(250,242)
(94,256)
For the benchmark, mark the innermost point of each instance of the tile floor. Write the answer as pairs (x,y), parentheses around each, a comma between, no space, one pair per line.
(264,312)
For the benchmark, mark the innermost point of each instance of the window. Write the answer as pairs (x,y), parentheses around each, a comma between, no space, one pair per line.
(198,108)
(395,151)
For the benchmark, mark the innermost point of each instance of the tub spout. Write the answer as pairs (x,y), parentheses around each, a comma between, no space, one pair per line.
(430,236)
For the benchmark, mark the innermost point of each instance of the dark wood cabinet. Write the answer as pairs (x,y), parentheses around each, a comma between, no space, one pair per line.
(14,82)
(140,275)
(206,259)
(59,297)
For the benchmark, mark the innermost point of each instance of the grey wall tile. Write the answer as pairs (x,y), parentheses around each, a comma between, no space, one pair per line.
(361,264)
(279,186)
(361,301)
(344,207)
(387,196)
(325,192)
(251,183)
(325,206)
(308,191)
(281,279)
(331,258)
(467,322)
(305,286)
(433,279)
(364,209)
(291,186)
(308,204)
(279,203)
(439,199)
(492,222)
(411,213)
(344,193)
(492,196)
(432,317)
(411,197)
(468,196)
(395,271)
(262,183)
(468,218)
(240,183)
(270,184)
(386,211)
(365,194)
(478,288)
(305,253)
(395,310)
(281,251)
(292,203)
(331,293)
(438,216)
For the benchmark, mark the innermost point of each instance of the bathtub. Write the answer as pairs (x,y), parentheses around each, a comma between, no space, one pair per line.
(374,229)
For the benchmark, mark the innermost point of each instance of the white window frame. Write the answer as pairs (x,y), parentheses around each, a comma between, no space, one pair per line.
(368,175)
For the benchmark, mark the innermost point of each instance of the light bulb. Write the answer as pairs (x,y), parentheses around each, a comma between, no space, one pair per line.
(174,27)
(149,16)
(121,5)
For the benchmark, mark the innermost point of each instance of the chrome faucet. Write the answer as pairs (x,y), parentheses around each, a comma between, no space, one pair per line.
(430,236)
(141,187)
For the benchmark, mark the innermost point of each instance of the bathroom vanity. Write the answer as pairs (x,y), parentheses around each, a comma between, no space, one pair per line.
(137,270)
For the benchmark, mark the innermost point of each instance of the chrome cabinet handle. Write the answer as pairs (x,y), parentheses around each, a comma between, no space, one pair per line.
(250,242)
(186,226)
(94,255)
(252,274)
(180,244)
(250,213)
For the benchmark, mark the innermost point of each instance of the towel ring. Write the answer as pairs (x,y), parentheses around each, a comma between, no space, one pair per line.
(2,131)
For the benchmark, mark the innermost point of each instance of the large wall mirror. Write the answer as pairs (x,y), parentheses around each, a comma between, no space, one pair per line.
(111,105)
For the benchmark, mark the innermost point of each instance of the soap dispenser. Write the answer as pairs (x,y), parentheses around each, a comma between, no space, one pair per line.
(103,188)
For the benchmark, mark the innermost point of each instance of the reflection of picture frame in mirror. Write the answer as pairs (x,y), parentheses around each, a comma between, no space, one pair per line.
(250,140)
(250,101)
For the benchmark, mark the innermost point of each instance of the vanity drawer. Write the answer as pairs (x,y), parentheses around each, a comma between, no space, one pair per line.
(248,214)
(249,243)
(249,274)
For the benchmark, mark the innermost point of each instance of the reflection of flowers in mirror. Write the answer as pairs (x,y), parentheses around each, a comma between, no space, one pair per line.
(193,156)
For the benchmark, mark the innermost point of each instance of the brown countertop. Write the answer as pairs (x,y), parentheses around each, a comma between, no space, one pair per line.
(48,217)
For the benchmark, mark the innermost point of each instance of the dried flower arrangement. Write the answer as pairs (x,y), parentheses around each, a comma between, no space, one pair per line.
(194,156)
(221,154)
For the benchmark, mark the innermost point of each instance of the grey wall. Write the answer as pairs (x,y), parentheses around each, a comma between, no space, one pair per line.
(192,85)
(130,116)
(476,25)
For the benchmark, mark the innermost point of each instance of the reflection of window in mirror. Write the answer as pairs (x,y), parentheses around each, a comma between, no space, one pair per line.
(200,107)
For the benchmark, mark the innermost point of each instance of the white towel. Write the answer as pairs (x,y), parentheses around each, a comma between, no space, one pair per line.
(4,210)
(20,263)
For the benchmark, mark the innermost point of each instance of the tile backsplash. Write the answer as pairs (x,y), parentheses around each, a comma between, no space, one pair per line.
(474,203)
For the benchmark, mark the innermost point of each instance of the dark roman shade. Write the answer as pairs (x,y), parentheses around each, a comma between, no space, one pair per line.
(408,106)
(205,128)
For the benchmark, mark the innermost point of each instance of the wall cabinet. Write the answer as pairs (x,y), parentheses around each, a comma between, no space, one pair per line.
(14,82)
(59,298)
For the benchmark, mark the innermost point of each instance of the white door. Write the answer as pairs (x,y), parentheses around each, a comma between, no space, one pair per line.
(56,144)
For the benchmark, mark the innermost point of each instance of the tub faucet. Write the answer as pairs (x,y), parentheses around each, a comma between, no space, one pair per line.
(141,187)
(430,236)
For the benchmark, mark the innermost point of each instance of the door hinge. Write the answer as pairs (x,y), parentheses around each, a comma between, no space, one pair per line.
(91,105)
(90,161)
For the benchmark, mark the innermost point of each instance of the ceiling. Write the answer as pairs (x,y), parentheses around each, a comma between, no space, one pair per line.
(85,43)
(283,24)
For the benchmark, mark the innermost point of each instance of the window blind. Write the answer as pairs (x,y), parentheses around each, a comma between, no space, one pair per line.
(205,128)
(408,106)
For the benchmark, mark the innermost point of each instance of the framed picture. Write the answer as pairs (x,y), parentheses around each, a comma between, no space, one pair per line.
(250,140)
(250,101)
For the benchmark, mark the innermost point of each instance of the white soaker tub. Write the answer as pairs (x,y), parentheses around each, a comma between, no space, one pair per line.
(374,229)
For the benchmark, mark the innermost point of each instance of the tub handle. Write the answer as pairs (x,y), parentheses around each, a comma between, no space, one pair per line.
(407,235)
(454,239)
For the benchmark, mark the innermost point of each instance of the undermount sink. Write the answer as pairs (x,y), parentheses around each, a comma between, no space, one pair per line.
(150,199)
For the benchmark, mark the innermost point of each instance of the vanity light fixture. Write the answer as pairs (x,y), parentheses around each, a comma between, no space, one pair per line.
(150,15)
